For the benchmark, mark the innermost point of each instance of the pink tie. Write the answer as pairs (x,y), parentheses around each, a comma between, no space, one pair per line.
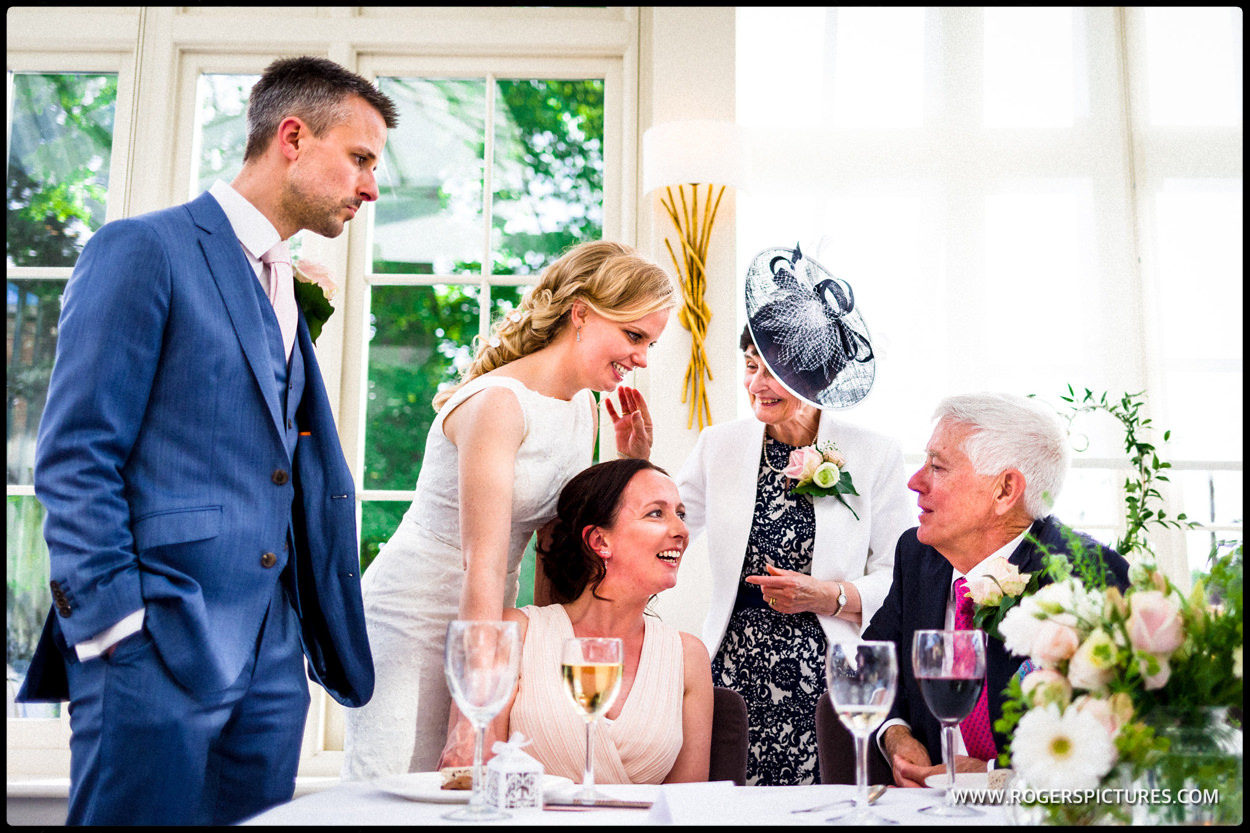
(282,292)
(978,738)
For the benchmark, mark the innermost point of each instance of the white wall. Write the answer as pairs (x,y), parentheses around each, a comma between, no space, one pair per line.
(687,72)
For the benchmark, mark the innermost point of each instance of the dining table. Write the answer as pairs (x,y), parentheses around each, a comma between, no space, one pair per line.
(712,803)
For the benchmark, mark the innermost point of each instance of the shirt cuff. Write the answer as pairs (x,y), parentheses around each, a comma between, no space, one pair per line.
(101,642)
(898,721)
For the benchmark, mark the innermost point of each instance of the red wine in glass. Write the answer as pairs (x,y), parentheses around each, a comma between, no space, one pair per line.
(950,666)
(951,699)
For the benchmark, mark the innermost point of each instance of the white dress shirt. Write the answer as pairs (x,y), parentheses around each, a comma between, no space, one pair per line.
(951,604)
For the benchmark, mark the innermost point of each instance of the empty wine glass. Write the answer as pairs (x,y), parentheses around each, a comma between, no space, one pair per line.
(481,661)
(592,669)
(863,677)
(950,667)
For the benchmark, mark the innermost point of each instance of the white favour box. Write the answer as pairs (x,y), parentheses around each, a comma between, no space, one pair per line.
(513,779)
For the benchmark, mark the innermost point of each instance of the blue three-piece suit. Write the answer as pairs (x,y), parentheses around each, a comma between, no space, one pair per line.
(189,470)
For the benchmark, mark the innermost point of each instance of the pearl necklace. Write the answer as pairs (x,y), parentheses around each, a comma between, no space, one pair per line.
(768,462)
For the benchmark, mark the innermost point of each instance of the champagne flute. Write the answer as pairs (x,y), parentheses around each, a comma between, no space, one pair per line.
(480,661)
(950,667)
(862,677)
(592,669)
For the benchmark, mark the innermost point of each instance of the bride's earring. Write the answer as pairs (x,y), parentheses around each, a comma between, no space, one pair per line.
(579,333)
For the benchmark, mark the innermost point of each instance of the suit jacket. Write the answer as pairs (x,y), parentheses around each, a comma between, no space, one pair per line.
(718,484)
(917,601)
(163,465)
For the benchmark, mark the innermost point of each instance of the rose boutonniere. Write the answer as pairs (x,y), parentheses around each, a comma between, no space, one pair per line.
(314,289)
(997,591)
(820,469)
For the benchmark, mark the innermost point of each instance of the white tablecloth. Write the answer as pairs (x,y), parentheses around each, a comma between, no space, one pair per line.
(359,803)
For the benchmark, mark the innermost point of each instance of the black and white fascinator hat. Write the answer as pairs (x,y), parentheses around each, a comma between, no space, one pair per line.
(807,330)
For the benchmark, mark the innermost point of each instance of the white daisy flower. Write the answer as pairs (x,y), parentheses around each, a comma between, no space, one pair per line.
(1068,751)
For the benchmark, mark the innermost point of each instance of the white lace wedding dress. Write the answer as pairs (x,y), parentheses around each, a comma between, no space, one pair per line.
(412,589)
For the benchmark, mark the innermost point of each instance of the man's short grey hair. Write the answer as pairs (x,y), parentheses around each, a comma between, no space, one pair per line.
(316,90)
(1013,432)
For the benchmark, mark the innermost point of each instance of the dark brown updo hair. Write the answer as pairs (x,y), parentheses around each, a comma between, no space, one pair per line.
(591,498)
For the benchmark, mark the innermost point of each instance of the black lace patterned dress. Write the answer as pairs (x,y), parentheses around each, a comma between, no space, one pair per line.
(776,661)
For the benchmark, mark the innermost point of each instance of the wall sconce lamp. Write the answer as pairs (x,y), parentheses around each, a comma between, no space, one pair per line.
(686,155)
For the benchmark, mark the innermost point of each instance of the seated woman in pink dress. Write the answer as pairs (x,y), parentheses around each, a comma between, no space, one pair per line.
(617,541)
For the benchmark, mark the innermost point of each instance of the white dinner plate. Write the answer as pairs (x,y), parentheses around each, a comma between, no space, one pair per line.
(427,786)
(963,781)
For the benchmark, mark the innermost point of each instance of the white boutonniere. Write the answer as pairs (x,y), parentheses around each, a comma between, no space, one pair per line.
(314,289)
(819,469)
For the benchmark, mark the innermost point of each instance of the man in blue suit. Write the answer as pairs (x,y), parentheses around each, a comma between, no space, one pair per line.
(993,468)
(200,513)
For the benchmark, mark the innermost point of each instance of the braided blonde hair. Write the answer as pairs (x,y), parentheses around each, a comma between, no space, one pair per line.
(612,279)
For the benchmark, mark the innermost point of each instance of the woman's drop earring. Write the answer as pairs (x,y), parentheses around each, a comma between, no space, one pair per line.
(579,333)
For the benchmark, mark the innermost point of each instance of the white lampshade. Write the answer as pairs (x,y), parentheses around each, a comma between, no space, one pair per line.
(695,151)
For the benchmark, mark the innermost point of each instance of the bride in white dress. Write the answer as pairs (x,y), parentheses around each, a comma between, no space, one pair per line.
(519,426)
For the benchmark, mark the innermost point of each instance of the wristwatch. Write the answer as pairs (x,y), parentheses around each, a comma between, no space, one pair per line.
(841,599)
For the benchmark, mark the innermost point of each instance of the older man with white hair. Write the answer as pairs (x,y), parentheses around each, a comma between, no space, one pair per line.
(993,468)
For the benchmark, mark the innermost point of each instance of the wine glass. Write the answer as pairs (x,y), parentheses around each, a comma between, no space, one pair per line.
(862,679)
(480,661)
(950,667)
(592,669)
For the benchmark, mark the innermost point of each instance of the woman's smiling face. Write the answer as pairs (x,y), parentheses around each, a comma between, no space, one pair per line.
(612,349)
(770,401)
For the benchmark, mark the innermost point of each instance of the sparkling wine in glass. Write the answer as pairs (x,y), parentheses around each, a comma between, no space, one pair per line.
(591,669)
(950,667)
(480,661)
(862,677)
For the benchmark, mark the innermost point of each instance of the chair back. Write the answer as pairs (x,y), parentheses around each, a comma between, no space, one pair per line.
(729,737)
(835,750)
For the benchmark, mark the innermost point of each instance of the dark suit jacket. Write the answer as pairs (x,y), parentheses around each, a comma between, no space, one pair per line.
(164,468)
(917,601)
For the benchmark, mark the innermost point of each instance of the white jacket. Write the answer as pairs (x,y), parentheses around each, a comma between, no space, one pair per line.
(718,484)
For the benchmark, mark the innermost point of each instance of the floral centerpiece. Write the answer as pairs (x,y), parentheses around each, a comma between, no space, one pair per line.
(1115,679)
(820,469)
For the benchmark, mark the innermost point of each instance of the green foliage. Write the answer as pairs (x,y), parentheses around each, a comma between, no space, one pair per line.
(1140,490)
(420,333)
(58,165)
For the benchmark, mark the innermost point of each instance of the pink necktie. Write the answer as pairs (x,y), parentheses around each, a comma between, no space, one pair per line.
(282,292)
(978,737)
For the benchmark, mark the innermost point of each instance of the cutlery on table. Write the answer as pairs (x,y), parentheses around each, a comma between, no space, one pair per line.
(874,792)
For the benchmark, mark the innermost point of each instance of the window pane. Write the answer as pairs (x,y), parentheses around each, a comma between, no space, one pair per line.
(428,217)
(548,178)
(378,521)
(1028,67)
(33,310)
(1199,546)
(878,68)
(28,596)
(60,141)
(1202,327)
(220,127)
(1090,499)
(1037,248)
(420,337)
(1193,71)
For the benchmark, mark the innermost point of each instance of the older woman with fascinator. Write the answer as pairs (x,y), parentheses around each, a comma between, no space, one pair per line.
(802,510)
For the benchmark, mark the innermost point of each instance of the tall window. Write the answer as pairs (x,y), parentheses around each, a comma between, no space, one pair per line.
(1023,199)
(486,181)
(60,143)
